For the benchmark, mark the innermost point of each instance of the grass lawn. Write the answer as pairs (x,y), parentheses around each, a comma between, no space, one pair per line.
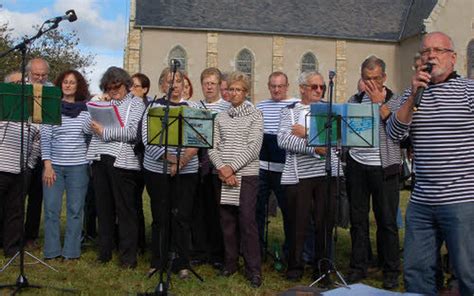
(91,278)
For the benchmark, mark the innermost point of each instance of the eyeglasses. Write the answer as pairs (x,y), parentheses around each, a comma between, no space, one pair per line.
(136,86)
(113,87)
(273,86)
(316,86)
(41,75)
(435,50)
(236,90)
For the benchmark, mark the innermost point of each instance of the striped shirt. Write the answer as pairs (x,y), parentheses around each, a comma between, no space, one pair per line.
(442,132)
(271,121)
(118,142)
(152,160)
(10,143)
(301,161)
(238,135)
(65,144)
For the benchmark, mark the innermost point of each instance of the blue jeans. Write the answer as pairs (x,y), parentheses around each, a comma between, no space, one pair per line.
(426,227)
(73,179)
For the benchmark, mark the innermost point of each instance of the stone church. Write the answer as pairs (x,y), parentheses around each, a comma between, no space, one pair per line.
(261,36)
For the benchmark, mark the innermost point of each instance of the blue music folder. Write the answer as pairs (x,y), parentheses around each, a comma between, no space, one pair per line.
(358,124)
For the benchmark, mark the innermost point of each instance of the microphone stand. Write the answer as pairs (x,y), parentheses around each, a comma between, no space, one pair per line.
(331,268)
(22,281)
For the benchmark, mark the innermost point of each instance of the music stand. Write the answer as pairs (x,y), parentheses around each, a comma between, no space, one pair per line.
(28,107)
(351,126)
(180,127)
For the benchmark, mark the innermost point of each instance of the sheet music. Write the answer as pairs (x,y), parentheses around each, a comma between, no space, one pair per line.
(105,114)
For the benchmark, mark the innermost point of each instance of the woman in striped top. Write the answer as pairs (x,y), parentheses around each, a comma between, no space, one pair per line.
(168,192)
(238,135)
(65,168)
(115,168)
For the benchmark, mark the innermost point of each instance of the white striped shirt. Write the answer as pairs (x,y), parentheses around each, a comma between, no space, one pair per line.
(216,107)
(301,161)
(10,143)
(271,121)
(238,135)
(65,144)
(153,153)
(442,132)
(118,142)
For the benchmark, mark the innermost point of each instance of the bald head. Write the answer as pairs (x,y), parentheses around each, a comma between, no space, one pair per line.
(38,70)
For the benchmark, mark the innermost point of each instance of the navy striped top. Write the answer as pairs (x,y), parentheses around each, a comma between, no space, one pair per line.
(65,144)
(442,132)
(118,142)
(271,121)
(10,141)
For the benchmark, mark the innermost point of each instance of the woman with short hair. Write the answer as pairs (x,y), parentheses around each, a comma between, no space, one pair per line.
(238,135)
(115,168)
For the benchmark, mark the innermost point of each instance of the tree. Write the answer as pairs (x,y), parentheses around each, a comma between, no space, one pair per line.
(58,47)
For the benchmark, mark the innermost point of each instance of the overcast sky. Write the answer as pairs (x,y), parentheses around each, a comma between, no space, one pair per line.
(101,26)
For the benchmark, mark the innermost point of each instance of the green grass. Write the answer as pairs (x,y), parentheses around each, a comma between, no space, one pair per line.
(91,278)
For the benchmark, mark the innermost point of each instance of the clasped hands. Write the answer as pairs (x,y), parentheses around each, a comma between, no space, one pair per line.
(227,175)
(173,162)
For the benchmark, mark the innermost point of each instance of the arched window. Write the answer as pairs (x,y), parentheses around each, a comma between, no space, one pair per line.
(470,59)
(309,62)
(178,53)
(244,62)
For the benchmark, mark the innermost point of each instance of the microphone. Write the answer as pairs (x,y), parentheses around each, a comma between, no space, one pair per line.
(174,64)
(70,15)
(421,89)
(332,74)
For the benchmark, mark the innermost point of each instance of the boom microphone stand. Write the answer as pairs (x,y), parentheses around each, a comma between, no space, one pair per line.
(22,281)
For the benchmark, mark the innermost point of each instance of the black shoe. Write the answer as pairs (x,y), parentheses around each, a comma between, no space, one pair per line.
(197,262)
(227,272)
(390,282)
(355,277)
(217,265)
(294,275)
(255,281)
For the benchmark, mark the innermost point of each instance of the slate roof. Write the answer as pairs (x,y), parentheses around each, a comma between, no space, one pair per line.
(383,20)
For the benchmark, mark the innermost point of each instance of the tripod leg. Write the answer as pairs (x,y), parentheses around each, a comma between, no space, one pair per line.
(10,262)
(41,261)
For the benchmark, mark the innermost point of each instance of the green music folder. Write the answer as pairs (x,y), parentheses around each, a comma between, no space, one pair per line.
(187,127)
(43,103)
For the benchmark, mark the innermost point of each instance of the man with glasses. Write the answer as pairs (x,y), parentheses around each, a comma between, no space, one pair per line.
(374,172)
(272,158)
(37,70)
(441,206)
(304,178)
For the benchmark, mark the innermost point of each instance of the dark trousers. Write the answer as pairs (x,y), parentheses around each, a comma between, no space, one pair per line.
(364,181)
(171,201)
(207,241)
(90,212)
(309,198)
(270,182)
(139,206)
(240,229)
(115,201)
(11,188)
(35,200)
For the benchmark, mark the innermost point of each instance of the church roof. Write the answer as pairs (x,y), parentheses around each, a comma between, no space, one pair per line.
(383,20)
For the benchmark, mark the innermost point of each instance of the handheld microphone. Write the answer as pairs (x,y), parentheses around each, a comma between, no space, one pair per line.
(421,89)
(70,15)
(332,74)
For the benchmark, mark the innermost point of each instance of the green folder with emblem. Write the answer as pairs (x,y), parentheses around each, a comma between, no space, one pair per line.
(42,104)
